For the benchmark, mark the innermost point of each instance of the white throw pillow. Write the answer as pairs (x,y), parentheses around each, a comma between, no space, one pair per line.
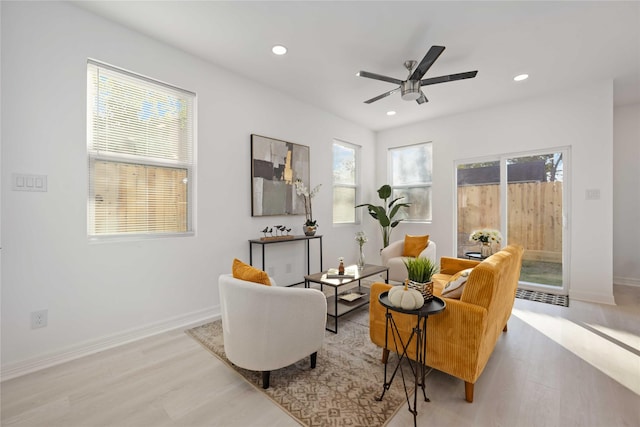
(456,283)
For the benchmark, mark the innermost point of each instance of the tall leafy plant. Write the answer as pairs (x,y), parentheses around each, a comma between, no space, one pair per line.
(385,214)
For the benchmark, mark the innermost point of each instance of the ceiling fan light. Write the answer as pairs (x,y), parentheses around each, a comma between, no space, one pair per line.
(410,90)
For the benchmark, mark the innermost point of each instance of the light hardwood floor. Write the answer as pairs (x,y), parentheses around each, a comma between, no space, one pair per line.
(556,366)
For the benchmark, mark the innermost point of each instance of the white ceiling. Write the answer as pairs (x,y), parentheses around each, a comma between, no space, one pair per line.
(561,45)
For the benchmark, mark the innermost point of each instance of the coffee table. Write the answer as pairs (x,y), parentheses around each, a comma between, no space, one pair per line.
(342,303)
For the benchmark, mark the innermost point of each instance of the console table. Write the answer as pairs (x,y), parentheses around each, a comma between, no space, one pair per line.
(306,239)
(419,334)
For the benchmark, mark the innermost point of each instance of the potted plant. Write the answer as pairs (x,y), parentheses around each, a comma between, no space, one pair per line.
(386,213)
(310,225)
(420,271)
(487,237)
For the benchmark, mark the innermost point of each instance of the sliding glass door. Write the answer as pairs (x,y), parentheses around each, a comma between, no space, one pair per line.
(523,197)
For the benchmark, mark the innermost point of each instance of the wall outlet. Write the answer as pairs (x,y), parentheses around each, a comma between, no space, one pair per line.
(38,319)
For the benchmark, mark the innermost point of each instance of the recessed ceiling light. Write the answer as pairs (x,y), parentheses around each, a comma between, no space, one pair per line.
(279,49)
(521,77)
(391,113)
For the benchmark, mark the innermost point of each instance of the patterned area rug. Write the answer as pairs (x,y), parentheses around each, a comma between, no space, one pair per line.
(561,300)
(340,391)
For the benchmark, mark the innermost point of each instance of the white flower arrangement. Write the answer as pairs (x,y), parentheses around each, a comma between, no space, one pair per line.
(361,238)
(301,190)
(486,235)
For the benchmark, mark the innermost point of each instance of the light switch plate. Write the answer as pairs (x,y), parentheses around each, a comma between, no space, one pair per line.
(592,194)
(28,182)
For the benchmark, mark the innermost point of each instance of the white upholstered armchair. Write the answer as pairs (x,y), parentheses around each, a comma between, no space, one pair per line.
(270,327)
(392,258)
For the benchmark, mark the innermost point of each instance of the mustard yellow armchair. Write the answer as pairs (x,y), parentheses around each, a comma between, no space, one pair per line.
(460,339)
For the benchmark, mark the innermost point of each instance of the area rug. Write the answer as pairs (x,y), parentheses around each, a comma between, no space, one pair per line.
(340,391)
(561,300)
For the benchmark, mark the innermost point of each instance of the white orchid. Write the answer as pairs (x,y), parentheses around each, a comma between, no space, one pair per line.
(301,190)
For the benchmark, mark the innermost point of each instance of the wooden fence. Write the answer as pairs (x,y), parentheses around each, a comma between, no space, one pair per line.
(534,216)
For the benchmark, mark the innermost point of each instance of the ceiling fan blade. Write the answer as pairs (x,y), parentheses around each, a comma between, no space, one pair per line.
(426,62)
(422,98)
(379,77)
(449,78)
(384,95)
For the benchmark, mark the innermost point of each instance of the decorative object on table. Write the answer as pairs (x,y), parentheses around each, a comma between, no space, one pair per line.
(351,296)
(420,271)
(282,229)
(349,273)
(361,238)
(310,225)
(386,213)
(341,266)
(279,228)
(274,165)
(405,298)
(487,237)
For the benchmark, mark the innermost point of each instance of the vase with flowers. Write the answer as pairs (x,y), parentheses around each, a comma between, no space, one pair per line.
(361,238)
(310,225)
(486,237)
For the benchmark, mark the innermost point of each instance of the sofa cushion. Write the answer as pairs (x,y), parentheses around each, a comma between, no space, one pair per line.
(413,245)
(243,271)
(455,285)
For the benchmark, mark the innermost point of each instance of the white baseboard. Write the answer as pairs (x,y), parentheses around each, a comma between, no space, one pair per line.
(592,297)
(628,281)
(86,348)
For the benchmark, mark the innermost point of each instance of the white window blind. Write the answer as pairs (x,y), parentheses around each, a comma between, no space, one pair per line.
(141,154)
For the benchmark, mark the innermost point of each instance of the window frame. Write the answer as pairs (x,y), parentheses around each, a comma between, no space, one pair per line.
(95,155)
(356,185)
(427,185)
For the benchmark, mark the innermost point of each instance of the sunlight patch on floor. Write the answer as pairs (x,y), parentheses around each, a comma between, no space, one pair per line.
(617,362)
(625,337)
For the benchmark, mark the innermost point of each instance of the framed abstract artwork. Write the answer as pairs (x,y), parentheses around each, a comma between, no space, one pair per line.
(275,165)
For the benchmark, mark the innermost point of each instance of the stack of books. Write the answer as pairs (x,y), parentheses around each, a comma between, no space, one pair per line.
(349,273)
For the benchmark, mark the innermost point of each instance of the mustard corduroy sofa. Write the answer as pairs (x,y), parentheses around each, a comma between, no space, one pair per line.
(461,338)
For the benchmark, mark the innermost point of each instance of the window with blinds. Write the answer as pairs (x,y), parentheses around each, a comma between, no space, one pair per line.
(140,153)
(410,172)
(345,182)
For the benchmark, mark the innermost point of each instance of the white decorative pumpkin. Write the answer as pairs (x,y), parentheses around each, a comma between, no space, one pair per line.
(405,298)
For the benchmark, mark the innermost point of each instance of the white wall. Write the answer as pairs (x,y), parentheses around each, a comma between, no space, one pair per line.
(103,294)
(626,195)
(581,119)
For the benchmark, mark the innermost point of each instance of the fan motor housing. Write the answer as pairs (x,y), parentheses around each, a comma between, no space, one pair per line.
(410,90)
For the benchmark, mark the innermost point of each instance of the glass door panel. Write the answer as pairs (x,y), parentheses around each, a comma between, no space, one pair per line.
(478,203)
(523,198)
(535,215)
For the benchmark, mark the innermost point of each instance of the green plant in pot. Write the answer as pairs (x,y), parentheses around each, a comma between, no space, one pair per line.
(419,272)
(386,214)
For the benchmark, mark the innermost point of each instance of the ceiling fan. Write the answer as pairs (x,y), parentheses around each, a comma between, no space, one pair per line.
(410,89)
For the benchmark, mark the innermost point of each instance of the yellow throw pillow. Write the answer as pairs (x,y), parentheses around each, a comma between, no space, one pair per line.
(413,245)
(243,271)
(454,287)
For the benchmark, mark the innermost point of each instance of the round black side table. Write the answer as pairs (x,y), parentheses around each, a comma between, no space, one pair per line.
(419,334)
